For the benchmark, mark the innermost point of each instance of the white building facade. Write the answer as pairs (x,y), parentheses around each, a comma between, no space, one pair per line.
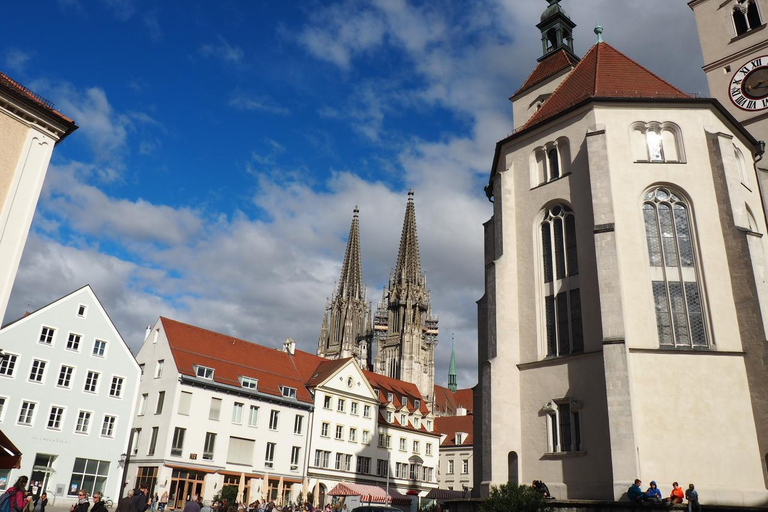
(215,411)
(456,453)
(68,384)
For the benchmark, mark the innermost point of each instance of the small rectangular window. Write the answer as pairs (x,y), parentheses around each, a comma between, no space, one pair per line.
(210,444)
(143,404)
(153,441)
(274,416)
(160,402)
(288,392)
(269,456)
(37,371)
(339,432)
(159,368)
(7,364)
(340,405)
(99,348)
(324,429)
(108,426)
(366,411)
(298,423)
(249,383)
(178,441)
(327,402)
(253,416)
(352,435)
(81,311)
(46,335)
(73,342)
(215,410)
(204,372)
(91,382)
(237,412)
(54,418)
(83,424)
(295,455)
(185,403)
(353,408)
(116,388)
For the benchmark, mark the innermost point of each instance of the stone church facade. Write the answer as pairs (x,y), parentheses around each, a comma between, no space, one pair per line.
(399,338)
(622,333)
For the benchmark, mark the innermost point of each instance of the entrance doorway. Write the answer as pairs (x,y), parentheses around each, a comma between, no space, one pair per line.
(147,475)
(184,485)
(41,473)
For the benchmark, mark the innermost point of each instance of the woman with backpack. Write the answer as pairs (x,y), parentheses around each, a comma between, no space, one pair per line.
(14,499)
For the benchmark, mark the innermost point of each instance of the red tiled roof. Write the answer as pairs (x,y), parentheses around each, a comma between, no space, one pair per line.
(325,369)
(231,358)
(35,98)
(449,425)
(398,388)
(548,67)
(604,72)
(446,402)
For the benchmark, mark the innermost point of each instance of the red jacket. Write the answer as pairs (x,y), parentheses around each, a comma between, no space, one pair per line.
(17,499)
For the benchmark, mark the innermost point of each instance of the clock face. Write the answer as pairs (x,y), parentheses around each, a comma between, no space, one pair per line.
(749,85)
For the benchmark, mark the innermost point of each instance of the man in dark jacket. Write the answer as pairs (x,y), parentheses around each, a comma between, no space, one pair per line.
(124,505)
(139,502)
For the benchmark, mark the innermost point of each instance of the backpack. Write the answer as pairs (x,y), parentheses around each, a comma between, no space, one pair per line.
(5,501)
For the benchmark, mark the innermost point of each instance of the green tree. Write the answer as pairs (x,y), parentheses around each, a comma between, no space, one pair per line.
(514,498)
(229,493)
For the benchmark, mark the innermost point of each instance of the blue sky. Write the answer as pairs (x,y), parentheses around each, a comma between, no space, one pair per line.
(223,145)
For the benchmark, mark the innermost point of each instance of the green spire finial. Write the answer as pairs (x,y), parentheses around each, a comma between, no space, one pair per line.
(599,32)
(452,385)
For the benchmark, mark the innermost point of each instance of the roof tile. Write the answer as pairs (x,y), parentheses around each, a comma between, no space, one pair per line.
(548,67)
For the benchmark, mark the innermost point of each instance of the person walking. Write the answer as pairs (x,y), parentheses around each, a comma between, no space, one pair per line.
(98,502)
(139,502)
(124,505)
(18,500)
(82,503)
(193,505)
(163,501)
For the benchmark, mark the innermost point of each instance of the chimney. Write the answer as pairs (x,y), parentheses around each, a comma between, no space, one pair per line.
(461,411)
(289,346)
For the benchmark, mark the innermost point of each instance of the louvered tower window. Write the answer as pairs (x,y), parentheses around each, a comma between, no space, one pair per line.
(674,275)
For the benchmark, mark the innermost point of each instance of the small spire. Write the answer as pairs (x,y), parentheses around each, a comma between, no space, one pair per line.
(452,383)
(599,33)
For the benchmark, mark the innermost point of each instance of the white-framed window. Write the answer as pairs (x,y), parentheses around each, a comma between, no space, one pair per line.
(322,458)
(340,403)
(353,408)
(253,416)
(46,336)
(37,371)
(269,456)
(159,368)
(745,16)
(288,392)
(209,445)
(185,403)
(116,388)
(3,402)
(352,435)
(83,425)
(237,412)
(8,364)
(382,467)
(160,402)
(89,475)
(339,432)
(324,429)
(389,442)
(177,446)
(416,422)
(143,404)
(215,411)
(560,290)
(73,342)
(108,426)
(403,419)
(416,403)
(339,461)
(295,456)
(657,142)
(405,401)
(99,348)
(450,467)
(550,161)
(274,418)
(363,465)
(390,416)
(464,466)
(327,402)
(204,372)
(298,424)
(249,383)
(428,449)
(91,382)
(136,439)
(347,462)
(55,417)
(390,397)
(366,437)
(563,425)
(366,411)
(82,310)
(429,425)
(402,444)
(416,446)
(672,255)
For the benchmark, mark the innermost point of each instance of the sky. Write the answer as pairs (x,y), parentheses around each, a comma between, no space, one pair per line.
(224,145)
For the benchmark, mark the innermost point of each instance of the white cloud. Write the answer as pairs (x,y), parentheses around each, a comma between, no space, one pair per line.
(222,50)
(242,100)
(16,60)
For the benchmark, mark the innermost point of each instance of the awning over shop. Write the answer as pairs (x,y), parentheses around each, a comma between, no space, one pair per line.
(444,494)
(10,456)
(369,494)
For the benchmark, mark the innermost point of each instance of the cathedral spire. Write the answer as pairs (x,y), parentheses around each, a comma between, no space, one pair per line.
(452,383)
(408,265)
(351,279)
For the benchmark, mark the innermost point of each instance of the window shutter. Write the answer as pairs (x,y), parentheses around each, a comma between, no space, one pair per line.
(240,451)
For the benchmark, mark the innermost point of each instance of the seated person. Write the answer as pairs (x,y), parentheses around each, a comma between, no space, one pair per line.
(676,496)
(635,493)
(653,493)
(542,488)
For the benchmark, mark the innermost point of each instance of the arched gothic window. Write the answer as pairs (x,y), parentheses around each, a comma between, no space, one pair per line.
(550,162)
(562,301)
(742,165)
(675,282)
(657,142)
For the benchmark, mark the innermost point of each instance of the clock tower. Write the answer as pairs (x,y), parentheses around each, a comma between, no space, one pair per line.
(734,42)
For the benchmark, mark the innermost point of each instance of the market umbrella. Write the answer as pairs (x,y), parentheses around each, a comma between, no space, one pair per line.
(265,487)
(241,488)
(280,491)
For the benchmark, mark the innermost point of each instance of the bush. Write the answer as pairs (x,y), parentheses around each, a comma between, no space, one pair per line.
(228,492)
(514,498)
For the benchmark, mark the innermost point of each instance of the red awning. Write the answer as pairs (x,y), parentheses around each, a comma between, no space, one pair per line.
(10,456)
(369,494)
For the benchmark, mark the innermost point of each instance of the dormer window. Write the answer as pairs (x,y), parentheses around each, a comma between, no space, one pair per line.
(745,16)
(429,425)
(417,403)
(249,383)
(376,392)
(390,397)
(204,372)
(416,423)
(405,401)
(288,392)
(403,420)
(389,416)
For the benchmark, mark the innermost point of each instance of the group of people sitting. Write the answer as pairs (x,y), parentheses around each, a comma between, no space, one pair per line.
(653,496)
